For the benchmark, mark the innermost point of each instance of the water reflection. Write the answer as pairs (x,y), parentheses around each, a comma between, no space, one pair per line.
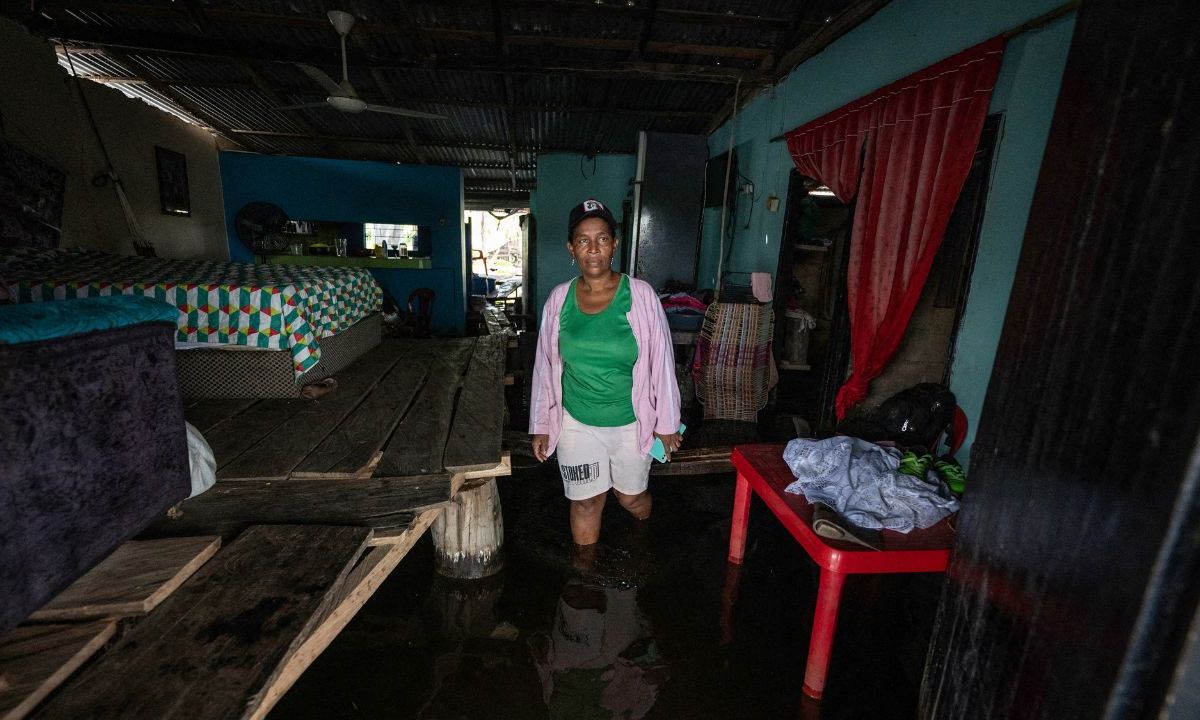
(599,660)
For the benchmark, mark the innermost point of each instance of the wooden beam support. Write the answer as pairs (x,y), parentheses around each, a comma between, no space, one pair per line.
(385,87)
(179,99)
(405,28)
(392,141)
(647,30)
(175,44)
(610,95)
(500,32)
(361,583)
(388,95)
(195,15)
(697,17)
(260,84)
(415,29)
(838,26)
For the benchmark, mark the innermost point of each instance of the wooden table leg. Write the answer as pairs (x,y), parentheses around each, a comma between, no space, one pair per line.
(741,516)
(820,647)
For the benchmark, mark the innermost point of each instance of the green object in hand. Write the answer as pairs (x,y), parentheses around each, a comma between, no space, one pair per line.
(657,451)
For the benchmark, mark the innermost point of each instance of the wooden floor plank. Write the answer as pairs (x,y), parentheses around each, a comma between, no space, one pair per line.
(207,414)
(362,582)
(475,437)
(419,441)
(384,505)
(239,433)
(697,461)
(355,442)
(282,449)
(133,580)
(36,659)
(209,651)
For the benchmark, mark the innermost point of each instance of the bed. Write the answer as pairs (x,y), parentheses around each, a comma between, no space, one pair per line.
(242,331)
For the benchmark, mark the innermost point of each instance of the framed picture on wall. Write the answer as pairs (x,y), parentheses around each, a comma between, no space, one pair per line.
(172,182)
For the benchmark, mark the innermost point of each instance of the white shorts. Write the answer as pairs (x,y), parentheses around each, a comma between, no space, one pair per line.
(594,459)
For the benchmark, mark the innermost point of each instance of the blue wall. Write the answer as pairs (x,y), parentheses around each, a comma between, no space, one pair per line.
(358,191)
(902,38)
(564,181)
(1025,92)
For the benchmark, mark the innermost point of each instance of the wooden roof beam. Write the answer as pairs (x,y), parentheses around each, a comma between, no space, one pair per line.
(180,100)
(167,44)
(647,31)
(265,88)
(242,17)
(448,143)
(389,95)
(378,74)
(695,17)
(838,26)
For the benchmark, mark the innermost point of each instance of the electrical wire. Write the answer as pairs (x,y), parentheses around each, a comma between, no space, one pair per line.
(583,174)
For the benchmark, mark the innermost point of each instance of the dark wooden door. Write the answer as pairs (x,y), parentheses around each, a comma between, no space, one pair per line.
(1075,578)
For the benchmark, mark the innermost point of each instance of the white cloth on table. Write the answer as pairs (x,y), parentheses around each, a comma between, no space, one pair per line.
(862,481)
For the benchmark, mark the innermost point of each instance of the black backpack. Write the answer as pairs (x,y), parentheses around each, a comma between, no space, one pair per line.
(914,416)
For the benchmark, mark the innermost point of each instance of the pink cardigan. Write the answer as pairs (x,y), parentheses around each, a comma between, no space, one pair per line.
(655,392)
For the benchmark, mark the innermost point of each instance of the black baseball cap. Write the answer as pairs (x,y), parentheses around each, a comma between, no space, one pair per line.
(590,208)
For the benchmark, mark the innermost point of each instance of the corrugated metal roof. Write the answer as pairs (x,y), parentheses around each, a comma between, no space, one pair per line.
(544,75)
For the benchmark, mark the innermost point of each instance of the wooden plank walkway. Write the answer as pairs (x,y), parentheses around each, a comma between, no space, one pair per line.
(317,501)
(133,580)
(416,407)
(209,650)
(387,506)
(36,659)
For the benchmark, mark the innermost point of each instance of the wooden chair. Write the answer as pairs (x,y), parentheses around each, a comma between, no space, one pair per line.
(420,310)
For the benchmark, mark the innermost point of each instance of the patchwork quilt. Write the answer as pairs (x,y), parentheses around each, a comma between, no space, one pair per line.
(258,306)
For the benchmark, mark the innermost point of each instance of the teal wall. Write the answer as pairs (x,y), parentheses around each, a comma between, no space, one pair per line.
(564,181)
(360,191)
(902,38)
(1025,92)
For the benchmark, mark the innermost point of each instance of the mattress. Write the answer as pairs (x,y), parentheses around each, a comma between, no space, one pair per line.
(268,307)
(240,373)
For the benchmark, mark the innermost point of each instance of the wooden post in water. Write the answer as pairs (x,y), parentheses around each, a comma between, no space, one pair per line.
(469,534)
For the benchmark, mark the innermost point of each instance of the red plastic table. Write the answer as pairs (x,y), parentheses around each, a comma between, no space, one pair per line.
(761,469)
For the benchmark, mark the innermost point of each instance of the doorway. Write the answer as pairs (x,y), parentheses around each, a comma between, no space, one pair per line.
(497,243)
(812,278)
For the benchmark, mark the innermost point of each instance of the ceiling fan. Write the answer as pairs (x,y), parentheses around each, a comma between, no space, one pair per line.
(342,96)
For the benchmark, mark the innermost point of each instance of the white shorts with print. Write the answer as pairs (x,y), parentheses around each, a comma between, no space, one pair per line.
(594,459)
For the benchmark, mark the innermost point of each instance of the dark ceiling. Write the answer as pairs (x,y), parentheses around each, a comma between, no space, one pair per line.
(513,77)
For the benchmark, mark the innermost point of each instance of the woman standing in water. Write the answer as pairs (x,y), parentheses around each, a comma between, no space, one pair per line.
(604,378)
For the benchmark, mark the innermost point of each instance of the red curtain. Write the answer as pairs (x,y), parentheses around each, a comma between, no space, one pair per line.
(904,151)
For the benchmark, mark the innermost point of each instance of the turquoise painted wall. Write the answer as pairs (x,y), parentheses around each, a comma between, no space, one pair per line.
(564,181)
(359,191)
(902,38)
(1026,92)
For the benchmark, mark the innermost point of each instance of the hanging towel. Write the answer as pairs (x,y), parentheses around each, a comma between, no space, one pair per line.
(862,481)
(760,283)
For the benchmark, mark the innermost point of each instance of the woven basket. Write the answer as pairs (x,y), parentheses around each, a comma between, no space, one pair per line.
(732,362)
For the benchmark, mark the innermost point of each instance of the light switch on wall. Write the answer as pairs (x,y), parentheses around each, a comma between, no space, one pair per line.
(772,204)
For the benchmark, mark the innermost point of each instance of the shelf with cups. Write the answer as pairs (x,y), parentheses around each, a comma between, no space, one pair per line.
(410,263)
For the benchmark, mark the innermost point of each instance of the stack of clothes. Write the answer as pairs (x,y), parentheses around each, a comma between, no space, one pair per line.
(684,310)
(879,471)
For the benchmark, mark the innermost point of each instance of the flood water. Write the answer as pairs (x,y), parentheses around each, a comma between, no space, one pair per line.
(642,633)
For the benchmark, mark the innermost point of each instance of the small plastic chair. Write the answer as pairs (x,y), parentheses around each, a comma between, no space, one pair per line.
(420,310)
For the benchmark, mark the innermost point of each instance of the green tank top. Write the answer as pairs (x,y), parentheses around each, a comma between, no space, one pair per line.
(598,352)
